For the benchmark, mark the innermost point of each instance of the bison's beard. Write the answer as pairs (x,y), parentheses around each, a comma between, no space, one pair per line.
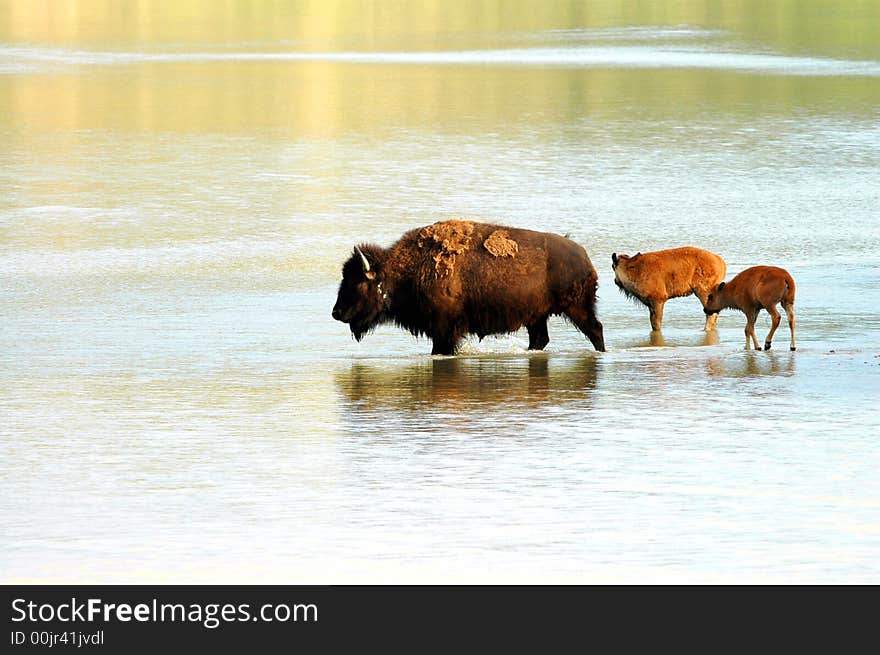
(359,329)
(629,293)
(366,322)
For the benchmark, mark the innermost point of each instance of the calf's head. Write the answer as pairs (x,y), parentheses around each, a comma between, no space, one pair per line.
(714,302)
(623,266)
(361,299)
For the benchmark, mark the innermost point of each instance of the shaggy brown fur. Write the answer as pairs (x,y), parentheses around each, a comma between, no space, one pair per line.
(652,278)
(438,282)
(757,288)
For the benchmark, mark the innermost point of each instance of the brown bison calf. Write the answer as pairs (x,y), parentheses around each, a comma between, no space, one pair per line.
(459,277)
(652,278)
(756,288)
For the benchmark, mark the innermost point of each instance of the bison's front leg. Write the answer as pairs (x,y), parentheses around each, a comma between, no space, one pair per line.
(447,330)
(711,319)
(751,317)
(538,336)
(444,345)
(656,308)
(445,338)
(711,322)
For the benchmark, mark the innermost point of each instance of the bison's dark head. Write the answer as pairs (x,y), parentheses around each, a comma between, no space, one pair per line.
(714,300)
(361,299)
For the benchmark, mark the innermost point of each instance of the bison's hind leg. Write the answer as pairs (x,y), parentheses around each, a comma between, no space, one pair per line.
(538,336)
(584,317)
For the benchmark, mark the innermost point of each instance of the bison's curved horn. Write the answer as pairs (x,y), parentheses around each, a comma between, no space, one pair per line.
(363,259)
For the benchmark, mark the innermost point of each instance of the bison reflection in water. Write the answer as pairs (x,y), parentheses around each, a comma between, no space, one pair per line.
(493,385)
(455,278)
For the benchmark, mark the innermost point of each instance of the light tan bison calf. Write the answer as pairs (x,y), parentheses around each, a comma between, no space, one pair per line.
(756,288)
(652,278)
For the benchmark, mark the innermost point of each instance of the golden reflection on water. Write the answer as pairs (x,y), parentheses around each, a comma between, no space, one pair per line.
(791,25)
(322,99)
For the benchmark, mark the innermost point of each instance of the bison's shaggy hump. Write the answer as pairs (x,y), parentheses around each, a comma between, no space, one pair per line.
(447,239)
(500,244)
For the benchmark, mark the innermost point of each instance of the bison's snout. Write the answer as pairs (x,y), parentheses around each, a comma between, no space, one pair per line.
(337,314)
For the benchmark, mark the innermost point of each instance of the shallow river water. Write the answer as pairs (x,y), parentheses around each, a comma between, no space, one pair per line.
(180,186)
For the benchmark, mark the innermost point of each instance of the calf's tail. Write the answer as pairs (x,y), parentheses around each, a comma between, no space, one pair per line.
(788,296)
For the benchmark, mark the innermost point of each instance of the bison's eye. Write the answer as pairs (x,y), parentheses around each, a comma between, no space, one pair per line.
(710,297)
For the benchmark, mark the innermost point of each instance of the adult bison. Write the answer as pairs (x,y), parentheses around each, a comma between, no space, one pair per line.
(652,278)
(458,277)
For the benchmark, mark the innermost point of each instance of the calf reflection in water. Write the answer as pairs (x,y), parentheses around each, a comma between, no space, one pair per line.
(751,365)
(657,340)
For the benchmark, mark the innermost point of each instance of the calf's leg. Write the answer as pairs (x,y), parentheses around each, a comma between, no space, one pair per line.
(789,311)
(751,317)
(711,322)
(656,314)
(711,319)
(775,318)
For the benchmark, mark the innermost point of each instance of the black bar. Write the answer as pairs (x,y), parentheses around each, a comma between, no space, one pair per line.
(130,618)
